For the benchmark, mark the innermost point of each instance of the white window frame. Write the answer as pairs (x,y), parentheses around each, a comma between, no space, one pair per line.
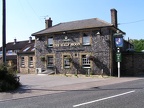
(50,41)
(86,40)
(85,62)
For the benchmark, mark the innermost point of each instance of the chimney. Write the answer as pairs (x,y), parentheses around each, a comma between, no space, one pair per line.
(114,17)
(48,23)
(30,39)
(15,41)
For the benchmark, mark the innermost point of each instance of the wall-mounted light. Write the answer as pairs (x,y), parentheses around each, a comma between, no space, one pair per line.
(98,33)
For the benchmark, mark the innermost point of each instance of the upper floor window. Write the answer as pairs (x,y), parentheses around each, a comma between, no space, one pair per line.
(10,52)
(16,51)
(33,49)
(86,39)
(26,49)
(0,52)
(50,42)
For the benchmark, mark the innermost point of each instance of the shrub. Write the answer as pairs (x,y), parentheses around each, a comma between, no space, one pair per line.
(8,80)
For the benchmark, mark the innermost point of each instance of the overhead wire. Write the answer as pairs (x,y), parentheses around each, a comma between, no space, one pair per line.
(132,22)
(33,10)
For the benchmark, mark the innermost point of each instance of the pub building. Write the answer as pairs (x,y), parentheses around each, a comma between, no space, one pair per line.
(77,47)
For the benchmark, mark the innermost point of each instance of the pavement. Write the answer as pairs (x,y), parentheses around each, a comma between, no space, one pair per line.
(36,85)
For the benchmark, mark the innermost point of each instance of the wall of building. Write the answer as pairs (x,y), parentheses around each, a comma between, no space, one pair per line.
(99,49)
(26,69)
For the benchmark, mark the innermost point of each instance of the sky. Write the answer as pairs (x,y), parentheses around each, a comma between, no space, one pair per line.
(24,17)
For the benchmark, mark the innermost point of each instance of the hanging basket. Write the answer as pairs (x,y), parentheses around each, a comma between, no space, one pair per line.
(42,58)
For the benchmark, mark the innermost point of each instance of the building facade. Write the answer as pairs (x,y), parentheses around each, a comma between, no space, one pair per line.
(26,60)
(77,47)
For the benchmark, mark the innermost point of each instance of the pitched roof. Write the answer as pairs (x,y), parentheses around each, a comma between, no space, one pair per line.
(27,49)
(17,46)
(74,25)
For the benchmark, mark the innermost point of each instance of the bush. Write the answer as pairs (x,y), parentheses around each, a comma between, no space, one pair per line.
(8,80)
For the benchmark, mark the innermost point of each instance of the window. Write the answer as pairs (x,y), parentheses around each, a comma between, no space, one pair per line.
(15,51)
(22,62)
(10,52)
(50,61)
(30,61)
(50,42)
(33,49)
(1,52)
(26,49)
(66,61)
(85,62)
(86,39)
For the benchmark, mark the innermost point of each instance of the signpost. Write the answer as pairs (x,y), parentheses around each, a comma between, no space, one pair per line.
(4,31)
(119,43)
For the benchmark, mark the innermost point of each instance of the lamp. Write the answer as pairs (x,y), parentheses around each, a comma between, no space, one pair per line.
(98,33)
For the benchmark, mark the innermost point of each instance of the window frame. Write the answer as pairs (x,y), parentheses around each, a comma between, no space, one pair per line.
(86,63)
(66,61)
(51,62)
(84,41)
(10,52)
(50,43)
(22,61)
(31,62)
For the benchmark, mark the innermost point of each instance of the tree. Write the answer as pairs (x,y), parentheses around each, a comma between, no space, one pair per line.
(138,44)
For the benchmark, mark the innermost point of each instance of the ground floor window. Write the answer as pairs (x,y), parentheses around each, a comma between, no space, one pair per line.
(66,61)
(22,62)
(50,61)
(85,62)
(30,61)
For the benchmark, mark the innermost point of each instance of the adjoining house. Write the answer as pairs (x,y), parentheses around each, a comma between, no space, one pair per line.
(26,59)
(12,48)
(83,46)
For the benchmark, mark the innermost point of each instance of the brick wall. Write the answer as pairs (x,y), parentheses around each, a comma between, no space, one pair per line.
(132,63)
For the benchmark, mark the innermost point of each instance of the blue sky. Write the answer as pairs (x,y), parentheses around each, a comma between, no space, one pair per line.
(25,17)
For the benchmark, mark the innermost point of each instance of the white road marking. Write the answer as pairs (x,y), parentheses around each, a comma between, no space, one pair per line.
(103,99)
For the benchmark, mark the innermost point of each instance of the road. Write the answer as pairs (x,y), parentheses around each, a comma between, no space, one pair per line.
(123,95)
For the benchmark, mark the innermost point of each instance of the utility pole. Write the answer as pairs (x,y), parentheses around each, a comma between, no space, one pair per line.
(4,32)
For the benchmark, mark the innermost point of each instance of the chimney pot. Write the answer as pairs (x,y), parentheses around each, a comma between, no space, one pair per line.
(30,39)
(15,40)
(48,23)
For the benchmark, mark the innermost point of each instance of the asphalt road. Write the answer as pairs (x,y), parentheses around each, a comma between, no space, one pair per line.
(123,95)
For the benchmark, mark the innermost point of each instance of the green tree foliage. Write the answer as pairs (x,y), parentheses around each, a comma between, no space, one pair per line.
(8,80)
(138,44)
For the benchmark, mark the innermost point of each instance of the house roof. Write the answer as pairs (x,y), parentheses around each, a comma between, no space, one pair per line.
(27,49)
(17,46)
(74,25)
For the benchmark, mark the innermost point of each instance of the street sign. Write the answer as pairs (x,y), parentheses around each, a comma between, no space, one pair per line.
(118,57)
